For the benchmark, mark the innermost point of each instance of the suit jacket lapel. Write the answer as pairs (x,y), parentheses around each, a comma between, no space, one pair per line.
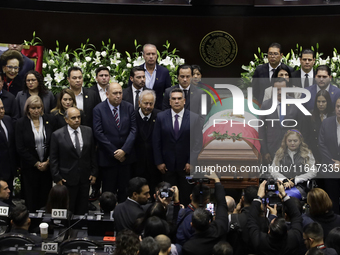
(185,122)
(109,114)
(68,140)
(169,124)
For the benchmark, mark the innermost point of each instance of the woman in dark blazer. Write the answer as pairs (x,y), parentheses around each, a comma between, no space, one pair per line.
(34,85)
(322,109)
(66,99)
(33,134)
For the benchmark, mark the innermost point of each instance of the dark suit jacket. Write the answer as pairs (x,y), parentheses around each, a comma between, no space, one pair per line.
(296,75)
(10,104)
(203,242)
(126,214)
(162,82)
(143,142)
(263,244)
(7,150)
(312,136)
(128,96)
(91,99)
(176,153)
(25,142)
(272,134)
(109,138)
(47,99)
(261,81)
(65,161)
(334,92)
(328,141)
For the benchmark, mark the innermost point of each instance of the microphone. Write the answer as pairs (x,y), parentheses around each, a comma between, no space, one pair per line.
(84,217)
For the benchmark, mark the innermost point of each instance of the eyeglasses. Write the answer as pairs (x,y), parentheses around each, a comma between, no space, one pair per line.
(273,54)
(31,80)
(15,68)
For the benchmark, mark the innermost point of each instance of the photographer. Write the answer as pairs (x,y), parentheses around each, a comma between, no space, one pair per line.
(278,239)
(208,232)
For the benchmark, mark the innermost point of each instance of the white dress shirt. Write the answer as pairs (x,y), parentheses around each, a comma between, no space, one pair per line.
(80,100)
(4,128)
(180,117)
(73,138)
(102,92)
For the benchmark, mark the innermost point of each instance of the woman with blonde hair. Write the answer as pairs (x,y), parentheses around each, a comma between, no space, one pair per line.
(66,99)
(294,163)
(33,133)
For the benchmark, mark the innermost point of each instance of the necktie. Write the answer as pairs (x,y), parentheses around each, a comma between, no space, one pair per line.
(77,142)
(137,99)
(273,70)
(145,118)
(2,131)
(185,93)
(176,126)
(306,84)
(115,115)
(281,116)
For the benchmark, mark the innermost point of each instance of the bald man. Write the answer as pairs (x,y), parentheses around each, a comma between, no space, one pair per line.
(114,127)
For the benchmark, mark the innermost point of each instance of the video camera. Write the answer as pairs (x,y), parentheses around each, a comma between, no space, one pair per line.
(166,192)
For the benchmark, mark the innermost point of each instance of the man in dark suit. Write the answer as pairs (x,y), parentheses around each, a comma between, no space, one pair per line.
(126,213)
(177,141)
(86,98)
(157,77)
(131,94)
(263,73)
(9,102)
(146,117)
(7,147)
(272,132)
(28,63)
(329,142)
(103,80)
(73,160)
(193,96)
(114,127)
(304,77)
(323,79)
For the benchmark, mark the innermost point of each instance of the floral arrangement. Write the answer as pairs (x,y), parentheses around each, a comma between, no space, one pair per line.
(88,58)
(292,60)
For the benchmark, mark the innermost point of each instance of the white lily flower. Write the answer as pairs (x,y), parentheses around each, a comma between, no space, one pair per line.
(96,61)
(114,61)
(334,75)
(44,65)
(128,65)
(121,83)
(117,55)
(252,63)
(139,61)
(88,59)
(265,60)
(97,53)
(55,70)
(108,67)
(48,80)
(334,59)
(103,54)
(129,59)
(51,62)
(67,56)
(59,77)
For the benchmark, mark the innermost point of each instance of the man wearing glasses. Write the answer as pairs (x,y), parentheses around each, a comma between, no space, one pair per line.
(263,73)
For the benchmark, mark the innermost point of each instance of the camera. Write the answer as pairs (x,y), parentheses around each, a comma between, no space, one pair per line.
(271,185)
(165,192)
(210,208)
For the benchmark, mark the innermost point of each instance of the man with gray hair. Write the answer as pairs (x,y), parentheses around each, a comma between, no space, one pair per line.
(73,160)
(146,117)
(157,77)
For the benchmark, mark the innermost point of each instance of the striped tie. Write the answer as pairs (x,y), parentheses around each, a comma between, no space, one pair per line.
(115,115)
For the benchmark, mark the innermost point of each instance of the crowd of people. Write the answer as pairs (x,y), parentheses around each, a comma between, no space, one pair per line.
(137,145)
